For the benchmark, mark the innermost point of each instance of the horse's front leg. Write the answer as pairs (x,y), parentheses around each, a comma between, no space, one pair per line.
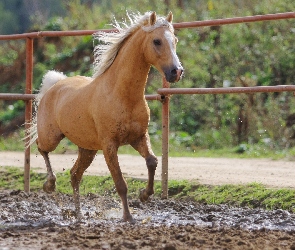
(143,146)
(85,157)
(110,152)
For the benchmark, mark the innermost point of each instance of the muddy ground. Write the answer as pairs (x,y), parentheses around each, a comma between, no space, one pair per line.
(41,221)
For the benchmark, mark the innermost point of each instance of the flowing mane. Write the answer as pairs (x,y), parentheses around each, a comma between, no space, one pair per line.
(110,43)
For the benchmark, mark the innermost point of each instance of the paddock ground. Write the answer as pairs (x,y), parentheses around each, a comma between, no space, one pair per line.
(41,221)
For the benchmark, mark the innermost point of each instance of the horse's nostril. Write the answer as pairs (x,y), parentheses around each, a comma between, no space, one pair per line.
(173,74)
(174,71)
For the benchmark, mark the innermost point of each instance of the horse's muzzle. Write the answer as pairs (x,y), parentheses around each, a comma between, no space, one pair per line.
(174,74)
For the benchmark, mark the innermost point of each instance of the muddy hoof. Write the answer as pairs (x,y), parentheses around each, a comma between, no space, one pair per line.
(143,196)
(79,217)
(129,219)
(49,186)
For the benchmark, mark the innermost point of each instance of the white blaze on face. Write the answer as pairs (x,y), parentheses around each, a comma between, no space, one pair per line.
(171,41)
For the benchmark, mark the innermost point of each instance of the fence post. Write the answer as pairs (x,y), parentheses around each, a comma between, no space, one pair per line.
(165,140)
(28,109)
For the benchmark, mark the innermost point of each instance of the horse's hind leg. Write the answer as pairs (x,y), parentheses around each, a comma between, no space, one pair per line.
(49,185)
(143,146)
(46,143)
(85,157)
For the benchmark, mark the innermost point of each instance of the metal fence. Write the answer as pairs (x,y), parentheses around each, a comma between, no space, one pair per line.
(163,94)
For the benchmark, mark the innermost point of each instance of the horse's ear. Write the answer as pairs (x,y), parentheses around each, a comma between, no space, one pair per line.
(153,18)
(169,18)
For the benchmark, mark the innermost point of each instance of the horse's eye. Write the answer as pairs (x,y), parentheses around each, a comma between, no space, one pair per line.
(157,42)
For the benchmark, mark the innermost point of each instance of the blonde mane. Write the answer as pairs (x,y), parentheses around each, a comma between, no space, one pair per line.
(110,43)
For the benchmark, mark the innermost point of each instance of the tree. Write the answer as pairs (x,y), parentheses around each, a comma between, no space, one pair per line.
(254,54)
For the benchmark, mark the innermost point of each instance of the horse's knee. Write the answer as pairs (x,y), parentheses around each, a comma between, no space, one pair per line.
(152,162)
(82,163)
(75,179)
(121,187)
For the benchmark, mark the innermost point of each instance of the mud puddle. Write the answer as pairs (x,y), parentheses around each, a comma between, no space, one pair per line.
(40,209)
(48,221)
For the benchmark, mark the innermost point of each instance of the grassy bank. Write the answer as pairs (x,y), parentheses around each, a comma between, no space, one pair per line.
(253,195)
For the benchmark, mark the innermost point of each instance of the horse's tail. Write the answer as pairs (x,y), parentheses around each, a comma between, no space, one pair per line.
(49,79)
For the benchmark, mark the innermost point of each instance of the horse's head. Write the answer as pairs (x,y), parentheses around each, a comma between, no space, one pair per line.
(160,47)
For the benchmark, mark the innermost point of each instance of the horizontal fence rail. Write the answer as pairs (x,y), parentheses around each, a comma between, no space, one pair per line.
(11,96)
(229,90)
(195,24)
(28,97)
(235,20)
(163,93)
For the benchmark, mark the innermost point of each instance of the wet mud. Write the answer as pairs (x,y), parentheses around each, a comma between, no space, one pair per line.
(41,221)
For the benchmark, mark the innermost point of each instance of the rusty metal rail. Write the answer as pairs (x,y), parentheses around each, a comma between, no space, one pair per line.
(229,90)
(163,93)
(196,24)
(15,97)
(235,20)
(40,34)
(28,97)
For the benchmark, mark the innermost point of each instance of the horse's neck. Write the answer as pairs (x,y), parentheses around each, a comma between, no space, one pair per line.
(128,73)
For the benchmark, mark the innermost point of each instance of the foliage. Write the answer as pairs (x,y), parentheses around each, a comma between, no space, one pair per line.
(236,55)
(16,107)
(19,16)
(249,54)
(253,195)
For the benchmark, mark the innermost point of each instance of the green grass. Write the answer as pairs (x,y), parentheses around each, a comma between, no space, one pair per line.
(13,178)
(253,195)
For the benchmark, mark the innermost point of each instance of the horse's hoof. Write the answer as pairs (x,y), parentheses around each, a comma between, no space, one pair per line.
(129,218)
(49,186)
(79,217)
(143,196)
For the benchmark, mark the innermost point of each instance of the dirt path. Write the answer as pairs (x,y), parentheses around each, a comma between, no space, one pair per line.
(212,171)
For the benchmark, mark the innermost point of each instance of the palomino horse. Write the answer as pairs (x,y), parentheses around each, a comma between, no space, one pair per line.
(108,110)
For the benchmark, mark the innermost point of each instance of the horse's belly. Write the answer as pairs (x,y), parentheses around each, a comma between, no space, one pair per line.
(83,140)
(80,130)
(120,134)
(94,130)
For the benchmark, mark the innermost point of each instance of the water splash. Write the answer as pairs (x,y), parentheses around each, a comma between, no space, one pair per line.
(37,210)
